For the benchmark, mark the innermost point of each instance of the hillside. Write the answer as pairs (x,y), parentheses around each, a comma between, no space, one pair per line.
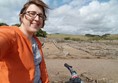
(95,61)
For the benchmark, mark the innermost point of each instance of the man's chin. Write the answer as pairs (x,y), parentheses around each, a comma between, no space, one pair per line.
(36,30)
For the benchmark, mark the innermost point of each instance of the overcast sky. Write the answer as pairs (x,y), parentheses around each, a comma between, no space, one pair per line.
(70,16)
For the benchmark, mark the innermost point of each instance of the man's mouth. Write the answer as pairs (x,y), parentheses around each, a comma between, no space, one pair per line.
(36,24)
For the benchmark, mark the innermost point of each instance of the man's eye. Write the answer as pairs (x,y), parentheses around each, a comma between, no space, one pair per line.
(42,16)
(32,13)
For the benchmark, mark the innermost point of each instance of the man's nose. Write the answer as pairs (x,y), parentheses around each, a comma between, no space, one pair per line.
(37,18)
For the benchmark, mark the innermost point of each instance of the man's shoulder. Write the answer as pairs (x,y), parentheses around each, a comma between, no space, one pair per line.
(4,27)
(8,27)
(8,30)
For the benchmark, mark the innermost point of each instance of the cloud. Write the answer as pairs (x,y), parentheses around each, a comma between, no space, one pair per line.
(56,3)
(10,10)
(70,16)
(94,18)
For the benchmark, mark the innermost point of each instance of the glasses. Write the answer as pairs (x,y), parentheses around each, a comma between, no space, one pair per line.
(33,15)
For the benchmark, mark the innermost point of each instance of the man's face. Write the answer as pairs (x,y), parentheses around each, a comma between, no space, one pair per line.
(33,19)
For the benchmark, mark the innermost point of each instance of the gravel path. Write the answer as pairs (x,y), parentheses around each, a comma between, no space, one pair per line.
(94,69)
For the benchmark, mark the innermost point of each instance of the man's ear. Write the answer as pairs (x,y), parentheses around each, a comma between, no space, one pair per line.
(20,17)
(43,24)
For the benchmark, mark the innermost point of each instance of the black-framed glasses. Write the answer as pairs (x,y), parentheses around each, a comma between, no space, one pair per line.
(33,14)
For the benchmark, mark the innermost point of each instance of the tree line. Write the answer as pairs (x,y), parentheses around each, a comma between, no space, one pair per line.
(40,33)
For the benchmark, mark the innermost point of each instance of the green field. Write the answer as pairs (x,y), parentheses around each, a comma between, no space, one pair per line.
(83,37)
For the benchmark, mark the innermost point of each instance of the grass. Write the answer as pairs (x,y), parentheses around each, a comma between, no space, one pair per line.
(83,37)
(67,36)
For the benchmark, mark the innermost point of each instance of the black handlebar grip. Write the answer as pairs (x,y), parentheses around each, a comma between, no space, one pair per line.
(68,66)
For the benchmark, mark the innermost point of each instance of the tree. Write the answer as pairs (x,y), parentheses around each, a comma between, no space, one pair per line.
(41,33)
(2,24)
(16,25)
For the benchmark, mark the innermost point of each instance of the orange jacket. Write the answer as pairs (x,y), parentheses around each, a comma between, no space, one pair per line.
(16,57)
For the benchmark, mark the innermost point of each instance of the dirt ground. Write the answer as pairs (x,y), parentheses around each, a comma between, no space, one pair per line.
(94,61)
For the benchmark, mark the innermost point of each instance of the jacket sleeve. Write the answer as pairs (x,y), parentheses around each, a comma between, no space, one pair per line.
(6,34)
(44,73)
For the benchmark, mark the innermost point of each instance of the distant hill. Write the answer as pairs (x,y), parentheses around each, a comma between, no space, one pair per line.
(84,37)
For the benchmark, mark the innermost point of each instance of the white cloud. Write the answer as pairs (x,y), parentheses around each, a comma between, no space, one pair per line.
(75,17)
(10,10)
(94,18)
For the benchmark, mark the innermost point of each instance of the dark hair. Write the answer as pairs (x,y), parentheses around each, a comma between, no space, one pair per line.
(38,3)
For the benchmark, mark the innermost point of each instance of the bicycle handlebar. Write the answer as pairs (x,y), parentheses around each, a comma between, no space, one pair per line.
(74,77)
(69,68)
